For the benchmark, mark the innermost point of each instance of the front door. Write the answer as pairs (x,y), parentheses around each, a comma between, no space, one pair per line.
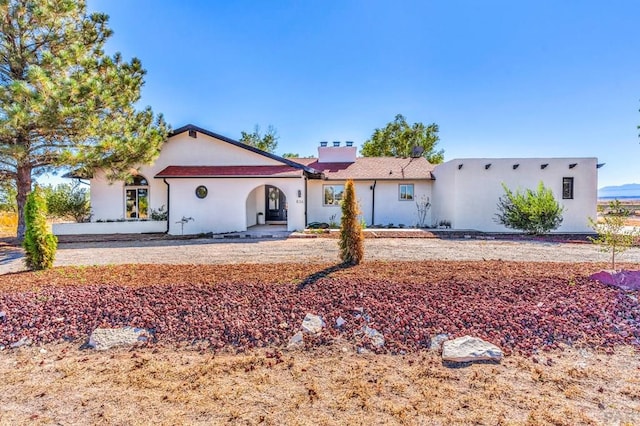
(276,204)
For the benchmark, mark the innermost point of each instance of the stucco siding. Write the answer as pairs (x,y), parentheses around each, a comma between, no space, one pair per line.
(230,205)
(470,194)
(388,207)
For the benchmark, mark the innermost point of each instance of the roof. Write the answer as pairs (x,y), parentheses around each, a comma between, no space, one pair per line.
(229,171)
(367,168)
(241,145)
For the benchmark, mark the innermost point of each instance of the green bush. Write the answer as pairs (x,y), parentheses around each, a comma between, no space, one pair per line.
(68,201)
(351,236)
(534,212)
(39,244)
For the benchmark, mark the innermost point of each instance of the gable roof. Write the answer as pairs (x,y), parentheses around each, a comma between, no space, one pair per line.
(368,168)
(239,144)
(229,171)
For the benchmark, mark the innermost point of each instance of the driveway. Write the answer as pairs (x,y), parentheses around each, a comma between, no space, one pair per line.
(311,250)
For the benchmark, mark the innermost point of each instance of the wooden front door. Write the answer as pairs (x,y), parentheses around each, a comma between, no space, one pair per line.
(275,204)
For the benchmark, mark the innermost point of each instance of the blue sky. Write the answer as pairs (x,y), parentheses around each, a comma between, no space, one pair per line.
(501,78)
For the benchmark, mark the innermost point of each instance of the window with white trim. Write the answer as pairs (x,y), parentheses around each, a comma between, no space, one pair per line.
(332,194)
(136,198)
(405,192)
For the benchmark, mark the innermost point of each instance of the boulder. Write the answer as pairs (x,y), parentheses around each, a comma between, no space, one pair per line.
(467,348)
(437,341)
(296,341)
(107,338)
(625,280)
(25,341)
(377,338)
(312,324)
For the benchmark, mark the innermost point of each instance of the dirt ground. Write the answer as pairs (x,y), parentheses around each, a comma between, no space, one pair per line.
(188,379)
(58,384)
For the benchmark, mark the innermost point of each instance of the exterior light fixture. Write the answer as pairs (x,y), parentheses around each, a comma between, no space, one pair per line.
(544,166)
(460,166)
(486,166)
(572,165)
(515,166)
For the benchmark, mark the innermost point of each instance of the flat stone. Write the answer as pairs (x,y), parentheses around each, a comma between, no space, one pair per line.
(340,322)
(625,280)
(106,338)
(312,324)
(296,341)
(468,349)
(437,341)
(25,341)
(377,338)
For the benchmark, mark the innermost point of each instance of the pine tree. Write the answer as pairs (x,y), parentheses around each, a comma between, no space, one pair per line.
(39,244)
(63,102)
(351,236)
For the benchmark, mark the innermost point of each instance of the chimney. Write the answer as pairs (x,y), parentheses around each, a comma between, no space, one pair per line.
(349,143)
(323,143)
(336,153)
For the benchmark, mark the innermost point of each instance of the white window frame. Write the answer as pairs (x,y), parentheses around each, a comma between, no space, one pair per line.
(407,185)
(335,202)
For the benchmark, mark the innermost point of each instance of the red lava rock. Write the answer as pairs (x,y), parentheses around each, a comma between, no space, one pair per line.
(521,307)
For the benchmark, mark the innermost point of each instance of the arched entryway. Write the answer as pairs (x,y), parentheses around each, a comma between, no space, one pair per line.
(266,205)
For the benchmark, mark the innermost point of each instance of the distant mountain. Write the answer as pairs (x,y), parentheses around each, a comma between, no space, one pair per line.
(628,190)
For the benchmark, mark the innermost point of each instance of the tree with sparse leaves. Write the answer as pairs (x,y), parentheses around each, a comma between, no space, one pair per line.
(267,142)
(39,244)
(63,102)
(351,236)
(613,236)
(534,212)
(399,139)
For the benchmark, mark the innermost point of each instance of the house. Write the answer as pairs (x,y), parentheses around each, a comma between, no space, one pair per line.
(210,183)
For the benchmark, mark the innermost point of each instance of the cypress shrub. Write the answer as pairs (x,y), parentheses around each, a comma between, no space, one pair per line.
(351,236)
(39,244)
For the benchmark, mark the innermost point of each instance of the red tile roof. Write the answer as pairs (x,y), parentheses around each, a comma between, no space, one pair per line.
(366,168)
(229,171)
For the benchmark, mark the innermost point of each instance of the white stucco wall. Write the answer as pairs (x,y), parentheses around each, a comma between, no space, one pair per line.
(225,207)
(468,196)
(225,195)
(388,207)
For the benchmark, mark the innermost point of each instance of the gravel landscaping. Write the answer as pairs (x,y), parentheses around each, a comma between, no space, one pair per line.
(312,250)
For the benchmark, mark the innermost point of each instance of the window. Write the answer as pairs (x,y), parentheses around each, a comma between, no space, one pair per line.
(201,191)
(567,188)
(406,191)
(136,198)
(332,194)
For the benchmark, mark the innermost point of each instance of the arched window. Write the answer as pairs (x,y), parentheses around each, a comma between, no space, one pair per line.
(136,198)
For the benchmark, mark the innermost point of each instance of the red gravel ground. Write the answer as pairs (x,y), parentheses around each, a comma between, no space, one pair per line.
(521,307)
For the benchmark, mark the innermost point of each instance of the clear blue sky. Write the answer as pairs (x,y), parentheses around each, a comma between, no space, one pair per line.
(501,78)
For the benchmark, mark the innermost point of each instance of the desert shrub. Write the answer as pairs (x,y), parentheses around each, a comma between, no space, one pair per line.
(67,201)
(159,214)
(534,212)
(39,244)
(351,236)
(613,237)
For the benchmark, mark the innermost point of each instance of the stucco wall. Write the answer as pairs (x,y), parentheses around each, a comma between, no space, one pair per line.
(468,196)
(225,207)
(107,198)
(388,207)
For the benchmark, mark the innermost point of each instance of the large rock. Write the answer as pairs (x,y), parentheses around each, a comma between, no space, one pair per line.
(467,348)
(107,338)
(296,341)
(376,338)
(625,280)
(312,324)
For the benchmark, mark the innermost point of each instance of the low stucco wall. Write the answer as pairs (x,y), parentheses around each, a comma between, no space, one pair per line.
(96,228)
